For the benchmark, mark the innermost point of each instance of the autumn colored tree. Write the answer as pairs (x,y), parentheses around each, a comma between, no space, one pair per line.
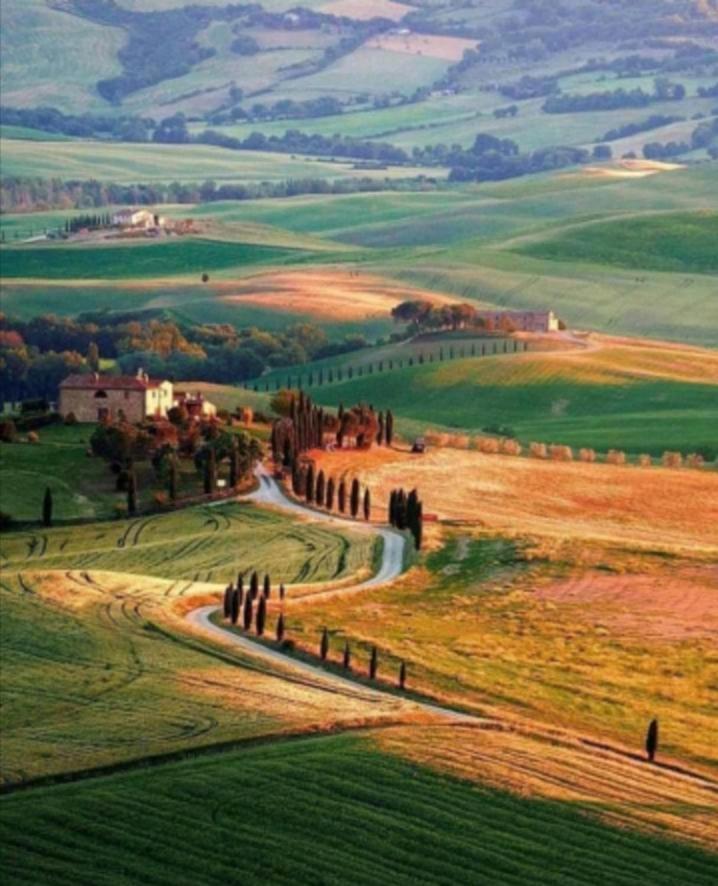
(324,645)
(47,508)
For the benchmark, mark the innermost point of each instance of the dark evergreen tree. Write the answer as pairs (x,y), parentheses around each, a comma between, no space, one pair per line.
(227,601)
(652,740)
(354,499)
(342,496)
(389,427)
(367,504)
(320,490)
(347,657)
(267,586)
(380,429)
(261,615)
(324,645)
(247,620)
(234,606)
(210,471)
(402,676)
(131,491)
(309,488)
(280,628)
(172,477)
(419,526)
(253,586)
(373,663)
(330,494)
(234,464)
(281,592)
(47,508)
(240,588)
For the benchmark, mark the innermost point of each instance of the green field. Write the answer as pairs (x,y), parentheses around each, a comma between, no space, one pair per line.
(133,163)
(552,406)
(326,810)
(140,260)
(211,543)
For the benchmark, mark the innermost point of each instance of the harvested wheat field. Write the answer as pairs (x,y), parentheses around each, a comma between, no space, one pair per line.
(332,293)
(669,510)
(363,10)
(620,788)
(629,169)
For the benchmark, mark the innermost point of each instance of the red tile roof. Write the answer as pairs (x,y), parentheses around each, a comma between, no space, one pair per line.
(93,382)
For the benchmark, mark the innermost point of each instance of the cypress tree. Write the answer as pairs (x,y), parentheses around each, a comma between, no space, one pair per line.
(367,504)
(392,508)
(234,464)
(389,427)
(240,588)
(373,663)
(253,586)
(324,645)
(652,740)
(247,621)
(210,471)
(131,491)
(234,605)
(380,429)
(309,488)
(320,490)
(267,586)
(330,494)
(261,615)
(227,602)
(172,478)
(419,526)
(354,501)
(347,657)
(47,508)
(280,628)
(281,592)
(342,496)
(402,676)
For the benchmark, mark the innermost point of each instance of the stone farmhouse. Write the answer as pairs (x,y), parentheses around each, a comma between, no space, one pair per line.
(137,218)
(522,321)
(95,397)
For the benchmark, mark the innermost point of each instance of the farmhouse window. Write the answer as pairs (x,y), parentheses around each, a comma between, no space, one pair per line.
(101,395)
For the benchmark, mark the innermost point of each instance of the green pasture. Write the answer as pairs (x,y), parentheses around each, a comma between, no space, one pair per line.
(25,133)
(346,813)
(636,415)
(208,543)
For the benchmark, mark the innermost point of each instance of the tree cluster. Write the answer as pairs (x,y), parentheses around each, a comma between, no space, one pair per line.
(406,511)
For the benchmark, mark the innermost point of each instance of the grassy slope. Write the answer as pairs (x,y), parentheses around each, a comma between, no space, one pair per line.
(541,400)
(200,544)
(346,813)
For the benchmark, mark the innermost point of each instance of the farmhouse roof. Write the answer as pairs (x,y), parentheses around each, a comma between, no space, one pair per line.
(94,382)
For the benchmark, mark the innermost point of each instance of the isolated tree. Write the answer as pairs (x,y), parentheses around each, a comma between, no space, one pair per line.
(367,504)
(131,491)
(389,427)
(281,592)
(227,601)
(253,586)
(47,508)
(347,657)
(247,620)
(354,498)
(324,645)
(373,663)
(280,628)
(234,605)
(261,615)
(172,478)
(342,496)
(267,586)
(93,357)
(652,740)
(402,676)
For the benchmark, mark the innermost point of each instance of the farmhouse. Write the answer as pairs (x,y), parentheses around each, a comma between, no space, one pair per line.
(195,404)
(521,321)
(137,218)
(96,397)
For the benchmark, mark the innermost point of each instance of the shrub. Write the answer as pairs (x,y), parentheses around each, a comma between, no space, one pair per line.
(672,460)
(459,441)
(560,453)
(435,438)
(159,498)
(695,460)
(70,418)
(8,431)
(511,447)
(538,450)
(5,521)
(33,437)
(489,445)
(587,455)
(120,510)
(615,457)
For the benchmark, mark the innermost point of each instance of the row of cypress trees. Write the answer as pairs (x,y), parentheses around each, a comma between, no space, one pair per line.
(238,603)
(347,655)
(317,490)
(407,512)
